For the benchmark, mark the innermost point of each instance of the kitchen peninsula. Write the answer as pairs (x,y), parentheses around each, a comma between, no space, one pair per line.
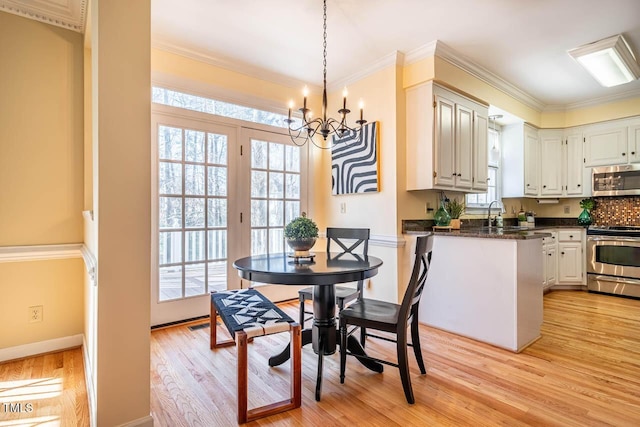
(485,284)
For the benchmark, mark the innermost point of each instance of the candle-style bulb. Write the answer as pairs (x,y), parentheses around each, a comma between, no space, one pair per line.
(291,104)
(305,91)
(345,92)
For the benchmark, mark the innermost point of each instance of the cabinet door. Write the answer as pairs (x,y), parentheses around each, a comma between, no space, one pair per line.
(480,151)
(575,165)
(606,146)
(634,144)
(550,163)
(531,162)
(570,262)
(551,265)
(444,145)
(464,147)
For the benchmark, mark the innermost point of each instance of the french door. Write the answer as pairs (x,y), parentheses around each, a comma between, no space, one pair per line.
(220,192)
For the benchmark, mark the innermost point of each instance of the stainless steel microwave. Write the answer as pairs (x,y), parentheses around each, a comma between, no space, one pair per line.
(623,180)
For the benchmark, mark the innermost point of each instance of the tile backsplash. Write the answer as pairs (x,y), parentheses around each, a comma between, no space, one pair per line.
(617,211)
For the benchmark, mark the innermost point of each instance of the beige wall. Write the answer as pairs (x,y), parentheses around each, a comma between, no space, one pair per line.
(56,285)
(121,89)
(41,133)
(40,176)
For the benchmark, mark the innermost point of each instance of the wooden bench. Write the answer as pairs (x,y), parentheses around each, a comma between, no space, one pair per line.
(247,314)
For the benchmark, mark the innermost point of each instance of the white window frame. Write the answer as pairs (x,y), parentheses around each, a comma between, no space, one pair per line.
(481,208)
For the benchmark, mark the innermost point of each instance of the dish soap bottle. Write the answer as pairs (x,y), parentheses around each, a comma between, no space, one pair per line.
(499,220)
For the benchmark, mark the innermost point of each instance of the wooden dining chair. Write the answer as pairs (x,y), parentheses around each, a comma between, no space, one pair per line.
(389,317)
(344,294)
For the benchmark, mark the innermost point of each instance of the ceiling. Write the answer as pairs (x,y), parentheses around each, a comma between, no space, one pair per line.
(522,42)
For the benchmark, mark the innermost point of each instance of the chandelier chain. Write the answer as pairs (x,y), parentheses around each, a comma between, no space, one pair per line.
(324,44)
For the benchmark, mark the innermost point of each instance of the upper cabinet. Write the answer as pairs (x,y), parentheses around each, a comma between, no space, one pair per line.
(634,143)
(551,162)
(606,144)
(446,140)
(520,160)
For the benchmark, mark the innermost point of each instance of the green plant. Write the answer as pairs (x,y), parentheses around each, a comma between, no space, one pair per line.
(301,228)
(455,208)
(588,204)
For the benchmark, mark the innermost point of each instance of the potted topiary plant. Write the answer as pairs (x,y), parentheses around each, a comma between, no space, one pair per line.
(455,209)
(587,206)
(301,235)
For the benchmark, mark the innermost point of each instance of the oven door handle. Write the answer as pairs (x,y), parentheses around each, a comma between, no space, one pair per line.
(616,279)
(614,239)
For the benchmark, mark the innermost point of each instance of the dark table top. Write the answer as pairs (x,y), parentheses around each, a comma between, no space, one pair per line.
(325,269)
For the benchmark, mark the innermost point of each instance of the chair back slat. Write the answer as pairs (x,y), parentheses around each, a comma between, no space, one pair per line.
(339,235)
(411,299)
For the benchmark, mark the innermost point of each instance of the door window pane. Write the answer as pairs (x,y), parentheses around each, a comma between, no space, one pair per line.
(170,212)
(258,154)
(276,213)
(292,187)
(170,282)
(169,143)
(194,180)
(258,213)
(292,211)
(276,240)
(217,275)
(194,242)
(170,178)
(292,158)
(258,184)
(217,213)
(217,244)
(217,149)
(194,147)
(276,185)
(194,275)
(217,181)
(258,241)
(170,247)
(276,156)
(194,212)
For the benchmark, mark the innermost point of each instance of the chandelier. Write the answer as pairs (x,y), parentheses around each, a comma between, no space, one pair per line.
(322,125)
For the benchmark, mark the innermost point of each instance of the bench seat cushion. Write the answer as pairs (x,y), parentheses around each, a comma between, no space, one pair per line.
(249,311)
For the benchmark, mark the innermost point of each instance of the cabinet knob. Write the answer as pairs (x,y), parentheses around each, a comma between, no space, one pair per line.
(453,174)
(527,185)
(578,185)
(544,186)
(561,253)
(633,153)
(624,154)
(571,237)
(549,254)
(459,174)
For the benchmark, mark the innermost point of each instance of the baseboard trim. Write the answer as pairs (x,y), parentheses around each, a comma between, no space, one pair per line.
(88,380)
(33,349)
(140,422)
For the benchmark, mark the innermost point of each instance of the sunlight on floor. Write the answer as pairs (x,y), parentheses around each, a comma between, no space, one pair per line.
(48,421)
(29,390)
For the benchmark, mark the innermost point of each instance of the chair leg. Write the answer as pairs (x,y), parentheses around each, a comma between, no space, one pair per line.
(343,349)
(403,365)
(363,336)
(417,350)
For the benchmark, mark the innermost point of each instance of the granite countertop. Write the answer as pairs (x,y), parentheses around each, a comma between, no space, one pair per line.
(475,229)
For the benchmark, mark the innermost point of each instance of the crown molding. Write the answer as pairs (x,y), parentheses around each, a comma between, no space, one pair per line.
(71,14)
(228,64)
(450,55)
(425,51)
(593,102)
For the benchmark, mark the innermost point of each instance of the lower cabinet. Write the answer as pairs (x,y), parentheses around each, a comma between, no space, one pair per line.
(550,263)
(564,258)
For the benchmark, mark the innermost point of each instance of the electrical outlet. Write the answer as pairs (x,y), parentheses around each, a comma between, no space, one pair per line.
(567,209)
(35,313)
(343,207)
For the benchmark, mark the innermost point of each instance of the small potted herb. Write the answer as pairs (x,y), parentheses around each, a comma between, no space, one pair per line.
(301,235)
(455,209)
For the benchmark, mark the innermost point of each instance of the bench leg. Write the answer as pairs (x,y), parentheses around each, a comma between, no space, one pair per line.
(213,330)
(295,401)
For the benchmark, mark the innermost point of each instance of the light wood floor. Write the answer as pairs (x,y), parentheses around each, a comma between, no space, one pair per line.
(46,390)
(584,371)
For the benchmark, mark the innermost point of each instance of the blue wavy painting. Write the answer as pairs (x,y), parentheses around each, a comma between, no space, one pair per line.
(354,161)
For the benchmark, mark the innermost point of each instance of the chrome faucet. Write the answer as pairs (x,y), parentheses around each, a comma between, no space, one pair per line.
(489,212)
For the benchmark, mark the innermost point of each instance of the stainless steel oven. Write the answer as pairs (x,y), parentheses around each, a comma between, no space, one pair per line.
(613,260)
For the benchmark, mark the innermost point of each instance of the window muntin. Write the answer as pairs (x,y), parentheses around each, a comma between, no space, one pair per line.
(494,191)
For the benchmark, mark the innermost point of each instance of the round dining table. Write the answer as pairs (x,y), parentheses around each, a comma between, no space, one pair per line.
(323,270)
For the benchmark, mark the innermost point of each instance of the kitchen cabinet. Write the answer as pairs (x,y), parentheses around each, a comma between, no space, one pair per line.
(446,140)
(577,178)
(634,143)
(551,162)
(550,260)
(520,160)
(570,256)
(606,144)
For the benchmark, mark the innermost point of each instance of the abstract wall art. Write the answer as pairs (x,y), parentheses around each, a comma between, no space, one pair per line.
(354,161)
